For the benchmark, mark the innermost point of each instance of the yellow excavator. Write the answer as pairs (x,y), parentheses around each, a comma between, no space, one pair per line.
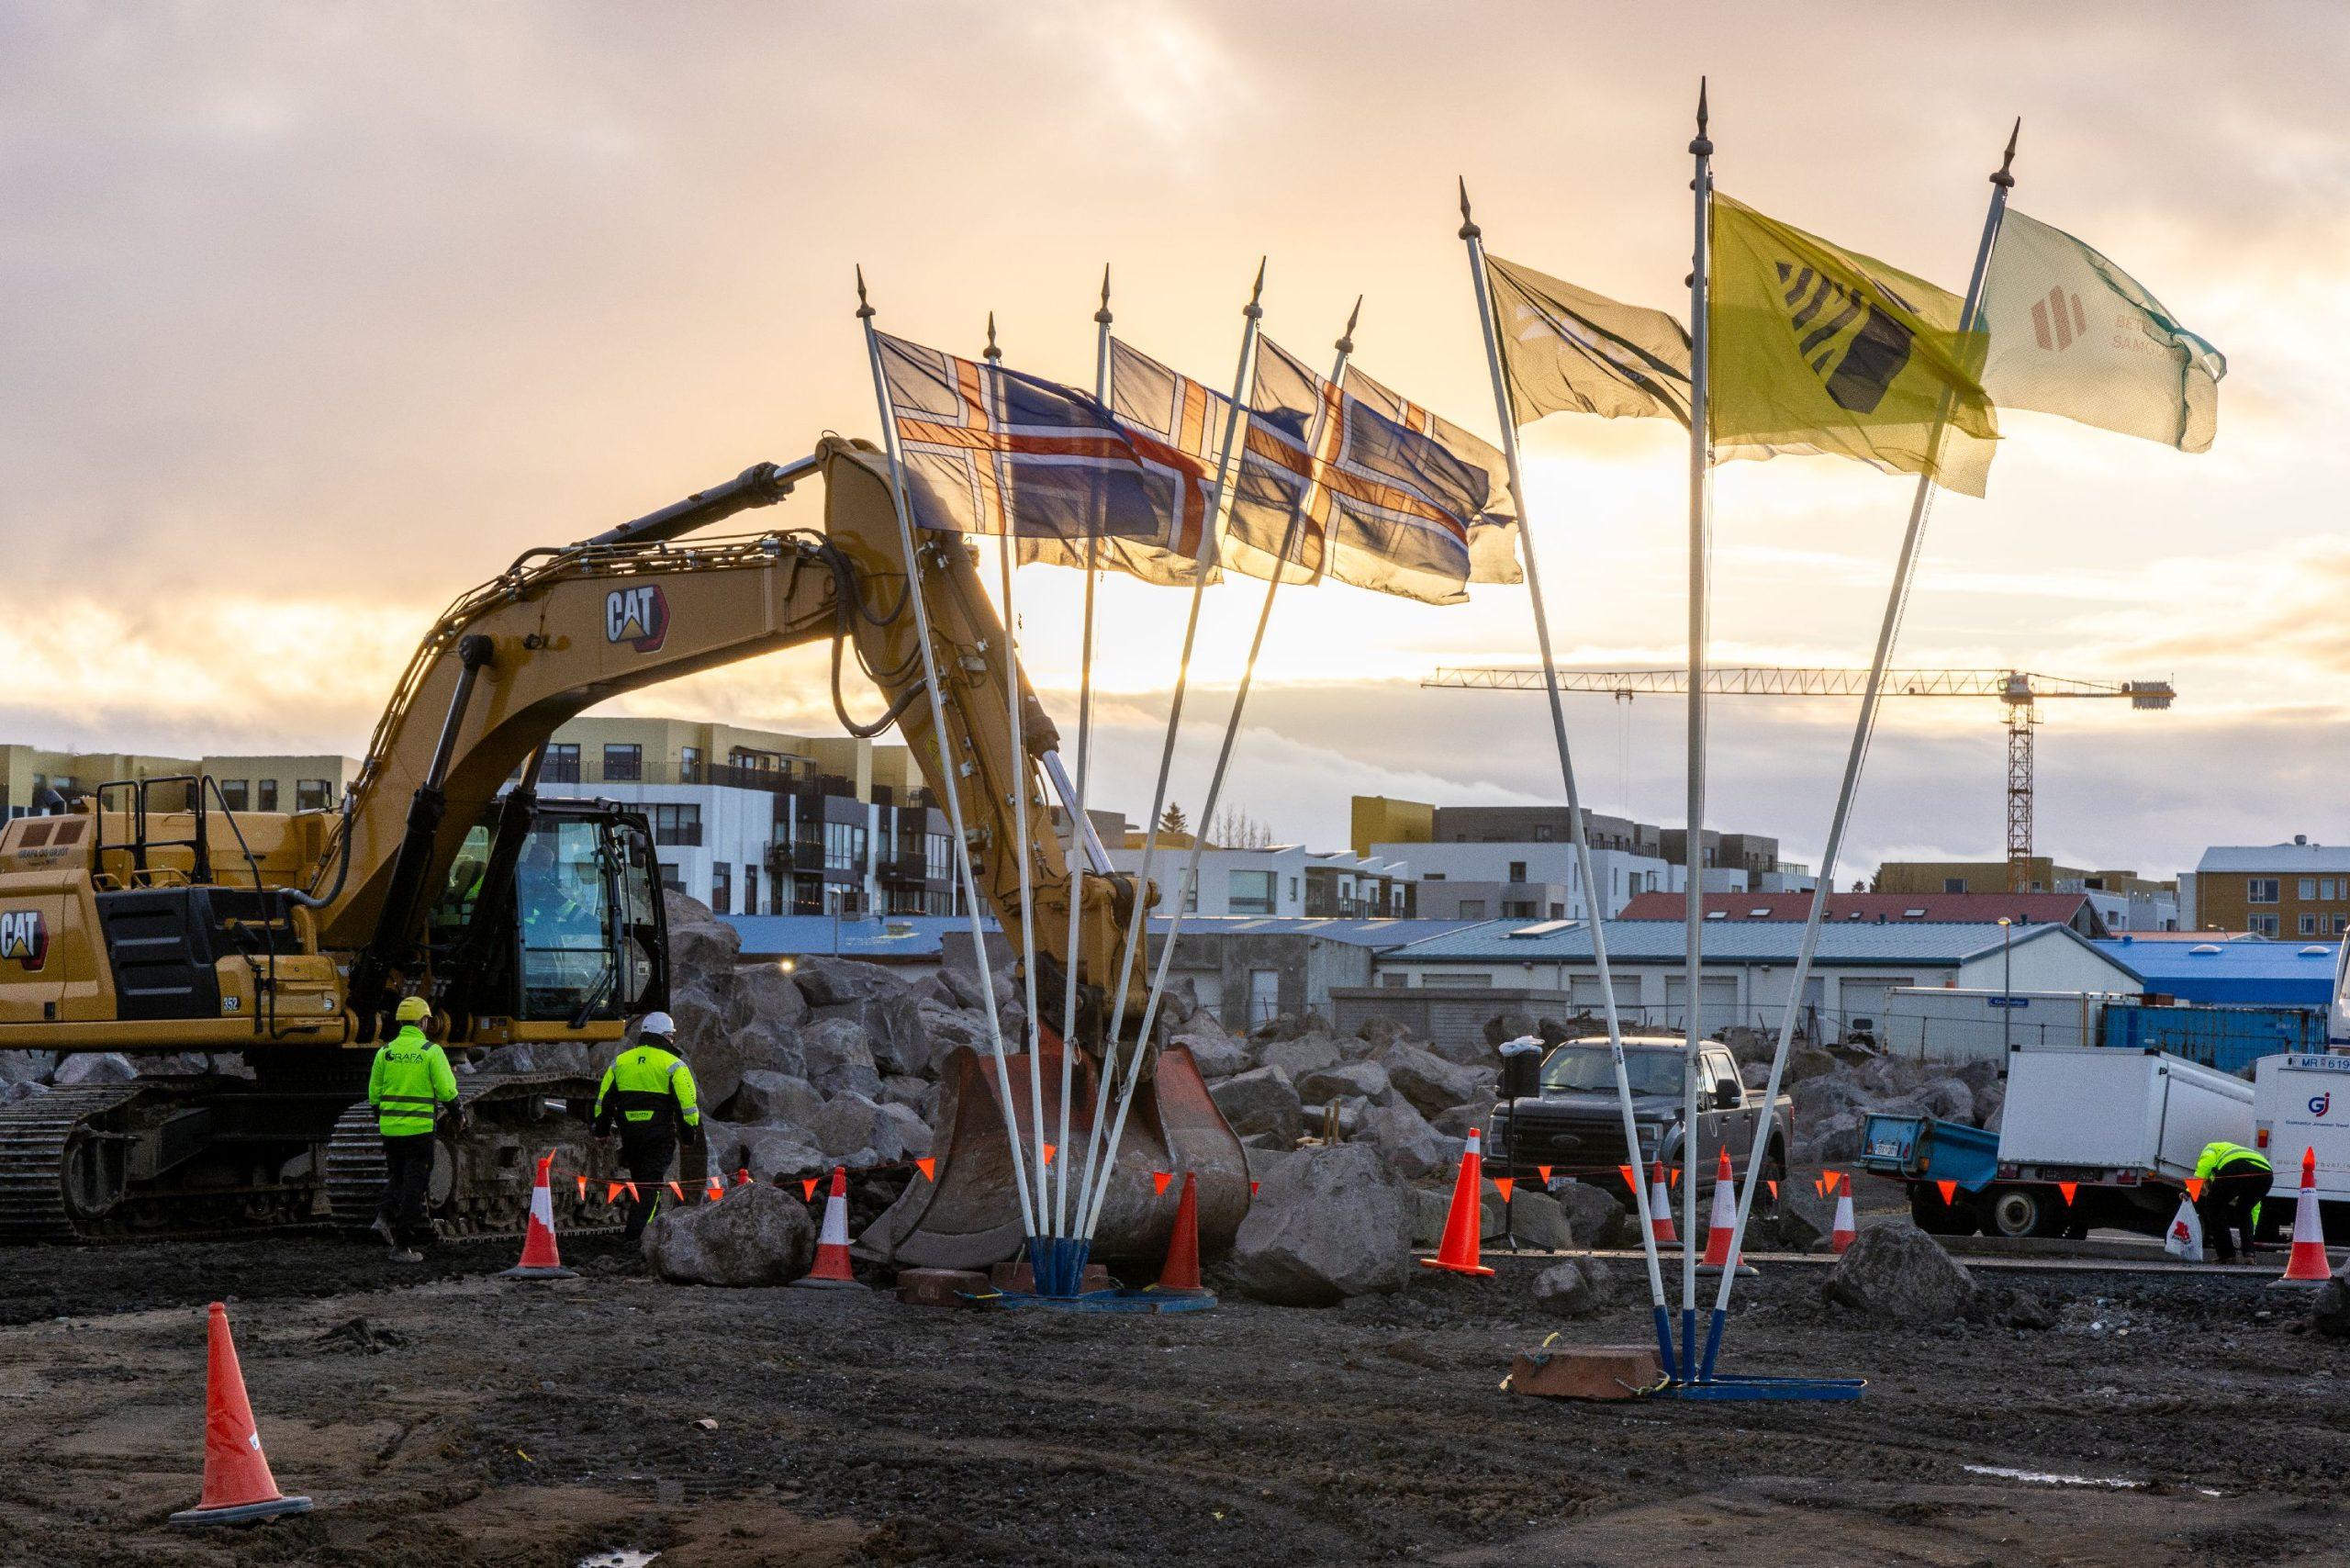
(149,918)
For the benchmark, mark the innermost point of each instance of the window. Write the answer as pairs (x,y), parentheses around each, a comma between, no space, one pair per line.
(623,763)
(843,846)
(2261,924)
(313,794)
(265,795)
(2309,886)
(2309,925)
(750,890)
(755,761)
(1292,890)
(1248,892)
(689,764)
(676,825)
(2260,889)
(1516,871)
(721,889)
(2329,888)
(670,880)
(934,857)
(234,793)
(1520,908)
(2341,923)
(1953,884)
(561,764)
(1542,832)
(1472,908)
(1456,981)
(1395,983)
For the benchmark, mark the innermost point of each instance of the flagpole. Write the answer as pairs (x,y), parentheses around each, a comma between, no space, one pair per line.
(970,878)
(1299,510)
(1101,320)
(1047,1268)
(1505,407)
(1693,904)
(1889,628)
(1235,413)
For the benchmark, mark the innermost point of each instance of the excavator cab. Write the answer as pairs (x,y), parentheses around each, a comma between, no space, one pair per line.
(551,921)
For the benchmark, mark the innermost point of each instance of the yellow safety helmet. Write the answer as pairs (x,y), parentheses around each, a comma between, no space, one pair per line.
(413,1010)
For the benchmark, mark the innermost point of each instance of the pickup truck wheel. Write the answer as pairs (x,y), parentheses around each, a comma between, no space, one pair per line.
(2021,1211)
(1938,1218)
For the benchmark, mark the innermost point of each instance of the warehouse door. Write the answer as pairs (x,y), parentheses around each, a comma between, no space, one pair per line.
(1865,999)
(1264,996)
(1590,996)
(1720,998)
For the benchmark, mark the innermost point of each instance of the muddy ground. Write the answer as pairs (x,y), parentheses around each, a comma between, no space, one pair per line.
(462,1420)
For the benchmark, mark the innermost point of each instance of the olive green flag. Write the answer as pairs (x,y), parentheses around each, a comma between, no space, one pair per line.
(1815,348)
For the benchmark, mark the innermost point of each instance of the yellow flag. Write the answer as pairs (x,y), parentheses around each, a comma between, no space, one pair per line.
(1819,348)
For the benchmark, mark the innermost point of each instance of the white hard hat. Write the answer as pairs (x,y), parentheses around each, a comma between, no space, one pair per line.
(659,1023)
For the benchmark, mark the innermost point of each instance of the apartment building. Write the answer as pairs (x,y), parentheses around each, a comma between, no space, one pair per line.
(247,783)
(2123,900)
(2283,890)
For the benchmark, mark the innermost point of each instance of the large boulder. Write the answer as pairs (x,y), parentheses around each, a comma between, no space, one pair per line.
(544,1055)
(1217,1054)
(1946,1099)
(1458,1121)
(1323,1227)
(27,1067)
(1536,1221)
(1466,1051)
(701,945)
(1593,1215)
(1306,1054)
(839,1058)
(1821,1096)
(1831,1141)
(1808,1062)
(1576,1287)
(1802,1219)
(850,1124)
(1262,1102)
(86,1068)
(758,1234)
(771,1048)
(1432,1084)
(10,1092)
(1365,1079)
(1899,1273)
(768,995)
(893,1031)
(828,982)
(1408,1143)
(776,1099)
(1378,1034)
(1504,1027)
(707,1042)
(769,1154)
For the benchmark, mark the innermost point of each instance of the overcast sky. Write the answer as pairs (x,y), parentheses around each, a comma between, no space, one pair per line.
(312,315)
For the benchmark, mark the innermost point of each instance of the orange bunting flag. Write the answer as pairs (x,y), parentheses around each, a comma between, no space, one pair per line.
(611,1190)
(808,1188)
(1158,1180)
(1949,1193)
(1819,1184)
(714,1192)
(583,1189)
(2068,1189)
(1774,1188)
(676,1191)
(928,1167)
(633,1196)
(1676,1175)
(2195,1189)
(1050,1149)
(742,1176)
(1252,1189)
(1544,1172)
(1506,1184)
(1631,1177)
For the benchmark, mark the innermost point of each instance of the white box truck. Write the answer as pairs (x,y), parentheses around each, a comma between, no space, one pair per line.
(2302,1102)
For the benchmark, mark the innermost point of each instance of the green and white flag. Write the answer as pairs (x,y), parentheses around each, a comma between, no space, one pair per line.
(2073,335)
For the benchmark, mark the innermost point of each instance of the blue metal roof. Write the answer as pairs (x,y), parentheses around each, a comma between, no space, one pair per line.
(1380,933)
(2242,974)
(900,937)
(1727,942)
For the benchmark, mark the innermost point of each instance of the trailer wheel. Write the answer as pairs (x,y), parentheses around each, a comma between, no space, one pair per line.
(1938,1218)
(2021,1211)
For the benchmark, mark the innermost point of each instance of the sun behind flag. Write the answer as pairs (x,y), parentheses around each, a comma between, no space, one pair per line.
(2073,335)
(1493,533)
(1819,348)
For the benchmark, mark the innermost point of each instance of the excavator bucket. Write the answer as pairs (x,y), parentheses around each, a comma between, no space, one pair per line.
(969,1217)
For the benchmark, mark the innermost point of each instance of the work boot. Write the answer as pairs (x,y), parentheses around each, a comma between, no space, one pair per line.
(383,1231)
(408,1255)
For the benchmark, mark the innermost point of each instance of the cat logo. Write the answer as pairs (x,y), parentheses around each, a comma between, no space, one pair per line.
(1852,346)
(24,936)
(637,616)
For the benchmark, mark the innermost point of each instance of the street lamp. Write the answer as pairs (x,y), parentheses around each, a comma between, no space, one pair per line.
(2006,985)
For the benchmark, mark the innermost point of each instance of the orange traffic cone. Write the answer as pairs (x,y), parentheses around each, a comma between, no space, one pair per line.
(541,1261)
(1844,1229)
(1466,1221)
(2309,1264)
(238,1486)
(1661,1208)
(1180,1276)
(1724,1221)
(832,1271)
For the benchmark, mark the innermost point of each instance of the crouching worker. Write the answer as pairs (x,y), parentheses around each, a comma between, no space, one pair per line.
(2234,1181)
(647,1096)
(412,1089)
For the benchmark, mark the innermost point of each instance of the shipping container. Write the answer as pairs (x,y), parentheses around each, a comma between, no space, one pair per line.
(2228,1038)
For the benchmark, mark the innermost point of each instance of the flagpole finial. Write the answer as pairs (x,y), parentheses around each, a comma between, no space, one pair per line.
(1699,144)
(864,309)
(1253,309)
(2004,179)
(1345,343)
(1469,229)
(992,353)
(1103,315)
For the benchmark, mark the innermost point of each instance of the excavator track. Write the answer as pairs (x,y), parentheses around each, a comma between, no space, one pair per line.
(58,1171)
(482,1176)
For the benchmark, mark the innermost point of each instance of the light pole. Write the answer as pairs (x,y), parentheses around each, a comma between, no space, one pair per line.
(2006,985)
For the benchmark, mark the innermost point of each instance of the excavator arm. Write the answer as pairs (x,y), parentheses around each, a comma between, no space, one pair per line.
(564,629)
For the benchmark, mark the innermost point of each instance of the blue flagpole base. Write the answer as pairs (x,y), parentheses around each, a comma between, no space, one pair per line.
(1665,1342)
(1735,1389)
(1114,1303)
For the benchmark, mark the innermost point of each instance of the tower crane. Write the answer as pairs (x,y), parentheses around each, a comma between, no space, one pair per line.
(2021,692)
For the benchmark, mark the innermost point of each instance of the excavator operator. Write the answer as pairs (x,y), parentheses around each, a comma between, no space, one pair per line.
(647,1096)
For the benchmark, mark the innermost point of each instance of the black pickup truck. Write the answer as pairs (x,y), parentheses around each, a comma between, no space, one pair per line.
(1564,1113)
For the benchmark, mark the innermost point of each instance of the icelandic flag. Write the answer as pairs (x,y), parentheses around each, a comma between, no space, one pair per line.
(988,450)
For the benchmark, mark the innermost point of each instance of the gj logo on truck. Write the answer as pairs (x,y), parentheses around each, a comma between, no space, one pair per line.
(24,936)
(637,616)
(2320,1103)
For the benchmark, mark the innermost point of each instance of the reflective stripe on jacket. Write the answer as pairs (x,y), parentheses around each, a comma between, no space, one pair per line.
(2217,1157)
(408,1083)
(643,1081)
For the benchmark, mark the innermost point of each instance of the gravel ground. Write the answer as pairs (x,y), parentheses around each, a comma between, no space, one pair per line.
(443,1415)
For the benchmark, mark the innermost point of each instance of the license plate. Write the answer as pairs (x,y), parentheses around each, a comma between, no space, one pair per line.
(1890,1146)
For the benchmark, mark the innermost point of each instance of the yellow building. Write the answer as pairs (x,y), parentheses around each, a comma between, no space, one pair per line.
(1379,820)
